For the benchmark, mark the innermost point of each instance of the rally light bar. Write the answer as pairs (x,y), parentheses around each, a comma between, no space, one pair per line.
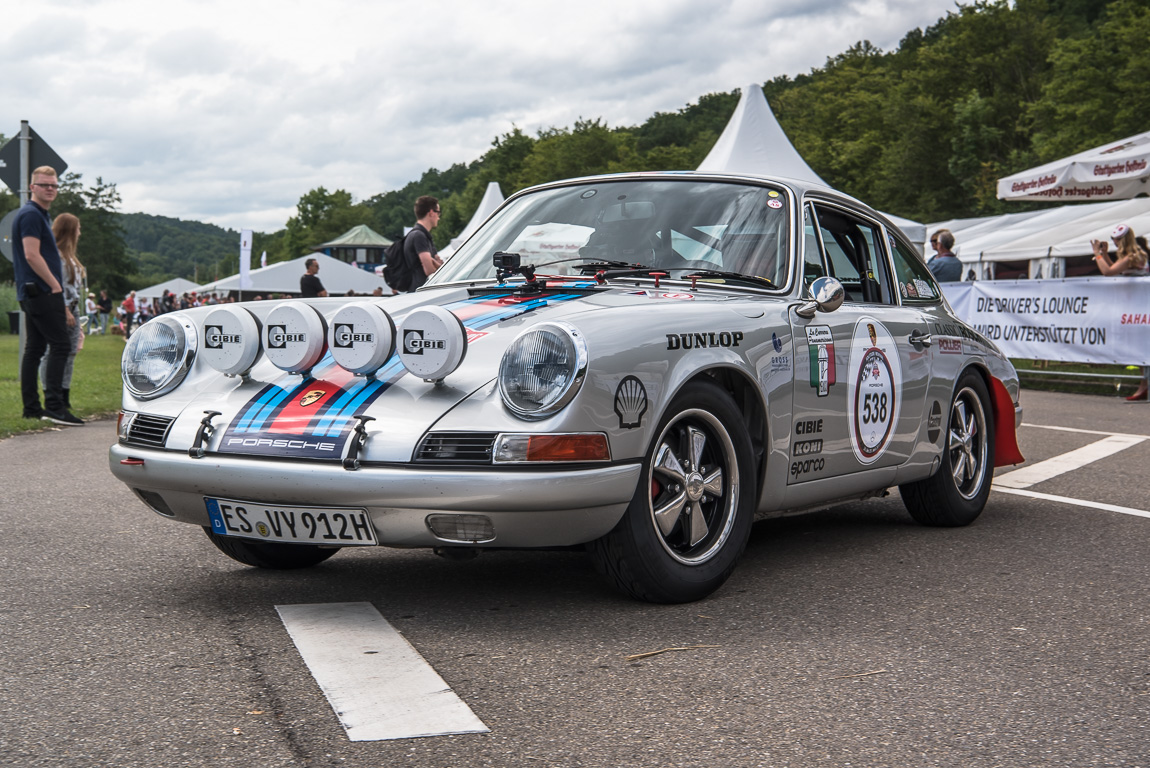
(361,336)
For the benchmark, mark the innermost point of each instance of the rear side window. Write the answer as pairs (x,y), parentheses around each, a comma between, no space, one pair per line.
(915,282)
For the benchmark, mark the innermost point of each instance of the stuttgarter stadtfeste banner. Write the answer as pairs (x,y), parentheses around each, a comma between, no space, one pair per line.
(1081,320)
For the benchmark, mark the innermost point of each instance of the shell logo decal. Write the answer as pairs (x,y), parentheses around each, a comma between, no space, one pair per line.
(311,396)
(630,402)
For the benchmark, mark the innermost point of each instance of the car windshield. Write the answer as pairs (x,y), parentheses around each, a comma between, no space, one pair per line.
(666,224)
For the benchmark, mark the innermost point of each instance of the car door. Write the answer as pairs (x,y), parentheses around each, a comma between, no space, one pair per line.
(859,376)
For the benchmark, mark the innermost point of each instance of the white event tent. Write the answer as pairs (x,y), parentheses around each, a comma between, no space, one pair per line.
(176,285)
(1115,171)
(1049,243)
(492,199)
(338,278)
(754,143)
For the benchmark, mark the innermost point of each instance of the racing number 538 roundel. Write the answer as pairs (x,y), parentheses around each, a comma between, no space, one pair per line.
(874,389)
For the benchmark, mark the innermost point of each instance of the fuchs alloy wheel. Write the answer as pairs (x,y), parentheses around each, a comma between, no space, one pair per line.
(691,515)
(956,494)
(270,554)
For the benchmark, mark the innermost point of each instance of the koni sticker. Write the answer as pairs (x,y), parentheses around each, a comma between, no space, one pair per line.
(821,347)
(874,389)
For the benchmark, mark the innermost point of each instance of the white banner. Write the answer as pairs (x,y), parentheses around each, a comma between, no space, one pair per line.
(245,260)
(1080,320)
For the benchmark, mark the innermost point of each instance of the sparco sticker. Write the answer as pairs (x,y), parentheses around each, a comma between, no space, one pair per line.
(874,389)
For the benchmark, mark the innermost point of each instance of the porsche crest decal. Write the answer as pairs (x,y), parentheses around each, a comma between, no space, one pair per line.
(312,396)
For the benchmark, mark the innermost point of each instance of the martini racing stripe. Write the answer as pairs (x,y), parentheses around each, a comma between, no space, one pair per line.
(294,414)
(255,416)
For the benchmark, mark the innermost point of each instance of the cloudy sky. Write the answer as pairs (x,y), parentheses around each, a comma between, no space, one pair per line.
(228,112)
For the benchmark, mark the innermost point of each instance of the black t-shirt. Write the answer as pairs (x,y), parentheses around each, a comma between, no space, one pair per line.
(310,286)
(418,241)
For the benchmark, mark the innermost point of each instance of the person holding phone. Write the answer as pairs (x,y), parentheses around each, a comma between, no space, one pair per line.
(1131,260)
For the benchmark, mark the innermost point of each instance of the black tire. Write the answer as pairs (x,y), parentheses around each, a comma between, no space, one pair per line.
(270,554)
(956,494)
(691,515)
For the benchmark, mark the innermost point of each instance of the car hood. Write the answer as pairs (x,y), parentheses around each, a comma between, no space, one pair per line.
(272,413)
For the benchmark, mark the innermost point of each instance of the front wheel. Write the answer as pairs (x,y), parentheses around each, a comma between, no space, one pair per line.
(691,514)
(270,554)
(956,494)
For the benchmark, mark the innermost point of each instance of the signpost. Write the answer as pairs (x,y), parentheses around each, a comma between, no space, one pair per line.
(21,154)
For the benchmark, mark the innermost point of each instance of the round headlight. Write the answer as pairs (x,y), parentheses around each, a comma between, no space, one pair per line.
(158,356)
(542,370)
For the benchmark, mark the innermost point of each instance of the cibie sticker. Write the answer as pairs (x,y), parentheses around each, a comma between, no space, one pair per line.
(874,391)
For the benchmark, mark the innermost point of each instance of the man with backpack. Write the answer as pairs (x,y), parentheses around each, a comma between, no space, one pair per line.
(413,258)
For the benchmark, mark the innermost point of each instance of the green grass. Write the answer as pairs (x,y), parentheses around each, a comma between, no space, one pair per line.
(96,383)
(1054,376)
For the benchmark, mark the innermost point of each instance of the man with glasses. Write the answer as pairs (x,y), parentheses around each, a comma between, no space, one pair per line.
(39,287)
(418,251)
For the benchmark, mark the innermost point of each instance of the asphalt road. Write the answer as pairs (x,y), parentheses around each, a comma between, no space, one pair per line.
(849,637)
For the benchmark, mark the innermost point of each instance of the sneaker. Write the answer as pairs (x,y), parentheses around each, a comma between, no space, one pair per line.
(33,414)
(65,418)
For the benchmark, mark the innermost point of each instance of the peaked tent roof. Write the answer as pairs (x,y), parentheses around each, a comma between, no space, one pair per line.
(176,285)
(754,143)
(1115,171)
(283,277)
(360,236)
(492,199)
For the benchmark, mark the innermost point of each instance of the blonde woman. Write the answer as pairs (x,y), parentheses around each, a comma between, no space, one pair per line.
(1131,260)
(66,229)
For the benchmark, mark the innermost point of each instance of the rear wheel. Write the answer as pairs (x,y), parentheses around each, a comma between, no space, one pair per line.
(692,511)
(268,554)
(957,493)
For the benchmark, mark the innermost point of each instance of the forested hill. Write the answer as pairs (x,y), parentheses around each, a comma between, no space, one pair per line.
(164,247)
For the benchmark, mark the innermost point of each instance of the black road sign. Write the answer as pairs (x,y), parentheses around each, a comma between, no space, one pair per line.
(40,154)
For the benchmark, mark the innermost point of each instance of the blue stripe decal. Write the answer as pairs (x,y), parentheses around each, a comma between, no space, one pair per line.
(264,406)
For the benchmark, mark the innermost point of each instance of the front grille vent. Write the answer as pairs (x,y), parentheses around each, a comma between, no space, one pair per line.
(149,430)
(456,448)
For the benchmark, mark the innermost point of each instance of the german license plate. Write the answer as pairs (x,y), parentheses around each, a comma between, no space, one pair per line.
(327,526)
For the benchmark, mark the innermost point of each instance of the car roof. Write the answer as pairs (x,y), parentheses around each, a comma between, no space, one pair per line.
(799,187)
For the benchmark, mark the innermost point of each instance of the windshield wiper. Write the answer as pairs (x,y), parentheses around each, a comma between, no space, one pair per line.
(752,279)
(592,264)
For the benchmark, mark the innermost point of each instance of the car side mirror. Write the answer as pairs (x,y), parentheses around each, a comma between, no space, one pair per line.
(826,295)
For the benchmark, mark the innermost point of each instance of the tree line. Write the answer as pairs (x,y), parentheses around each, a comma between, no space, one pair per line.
(923,131)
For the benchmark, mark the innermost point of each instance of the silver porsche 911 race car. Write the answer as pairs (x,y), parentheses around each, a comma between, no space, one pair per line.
(639,364)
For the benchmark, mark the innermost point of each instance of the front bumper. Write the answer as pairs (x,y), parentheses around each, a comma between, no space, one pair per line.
(548,507)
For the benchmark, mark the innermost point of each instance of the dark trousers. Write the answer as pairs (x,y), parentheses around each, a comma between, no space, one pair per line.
(46,330)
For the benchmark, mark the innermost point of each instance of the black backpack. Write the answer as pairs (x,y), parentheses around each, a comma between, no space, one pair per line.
(395,269)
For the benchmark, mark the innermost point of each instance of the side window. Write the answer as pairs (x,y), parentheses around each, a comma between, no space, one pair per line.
(915,282)
(854,251)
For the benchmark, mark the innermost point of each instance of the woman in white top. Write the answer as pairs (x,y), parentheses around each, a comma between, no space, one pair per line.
(1131,261)
(66,229)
